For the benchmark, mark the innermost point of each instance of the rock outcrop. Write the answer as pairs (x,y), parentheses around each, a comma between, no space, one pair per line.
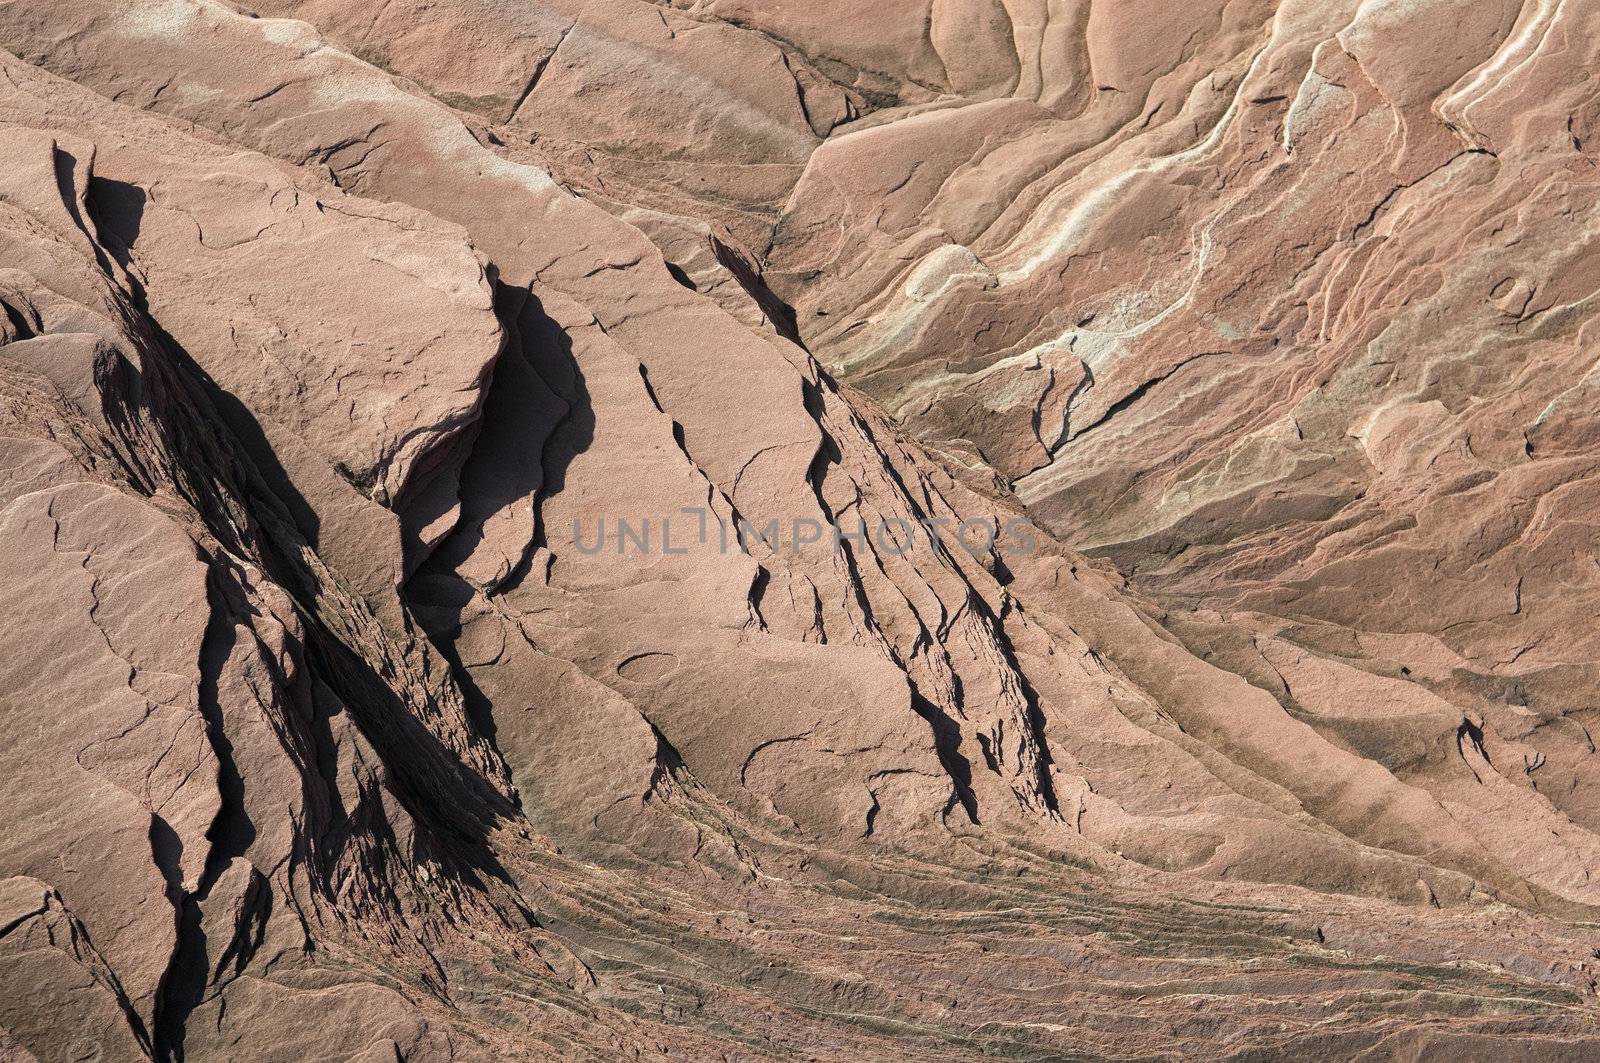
(726,530)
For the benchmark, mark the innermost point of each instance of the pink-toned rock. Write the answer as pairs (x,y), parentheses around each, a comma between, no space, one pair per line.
(712,529)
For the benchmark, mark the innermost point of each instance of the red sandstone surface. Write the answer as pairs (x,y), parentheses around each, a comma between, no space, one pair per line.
(775,530)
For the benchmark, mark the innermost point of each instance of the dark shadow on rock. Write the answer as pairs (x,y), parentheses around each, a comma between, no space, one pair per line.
(536,419)
(947,746)
(118,209)
(680,276)
(189,971)
(251,504)
(780,313)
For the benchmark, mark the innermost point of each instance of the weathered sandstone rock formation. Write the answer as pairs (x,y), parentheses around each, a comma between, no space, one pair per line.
(774,530)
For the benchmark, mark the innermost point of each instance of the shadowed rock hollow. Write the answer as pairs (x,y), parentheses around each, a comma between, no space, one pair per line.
(760,530)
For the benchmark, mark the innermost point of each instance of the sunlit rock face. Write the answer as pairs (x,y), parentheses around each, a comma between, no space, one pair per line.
(760,530)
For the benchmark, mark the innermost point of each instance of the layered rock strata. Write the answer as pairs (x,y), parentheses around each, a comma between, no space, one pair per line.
(1166,628)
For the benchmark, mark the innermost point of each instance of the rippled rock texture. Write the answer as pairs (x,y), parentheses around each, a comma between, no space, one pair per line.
(761,530)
